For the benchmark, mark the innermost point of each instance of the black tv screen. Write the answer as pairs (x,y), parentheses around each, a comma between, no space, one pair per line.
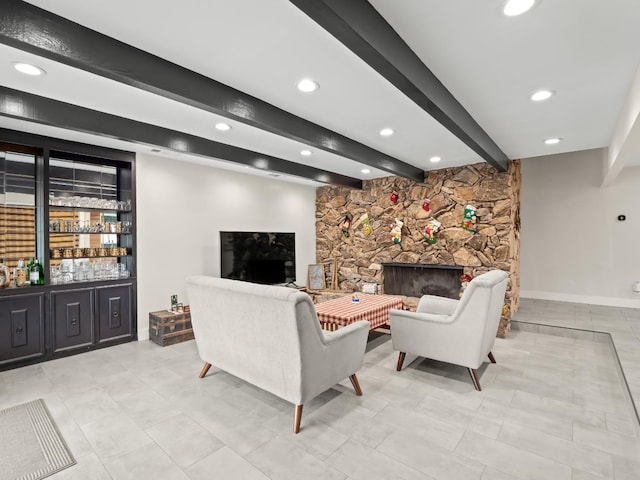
(258,257)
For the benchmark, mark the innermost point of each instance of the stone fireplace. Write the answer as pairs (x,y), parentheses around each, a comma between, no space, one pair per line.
(362,257)
(416,279)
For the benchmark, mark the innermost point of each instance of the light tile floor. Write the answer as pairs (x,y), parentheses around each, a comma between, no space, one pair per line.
(552,408)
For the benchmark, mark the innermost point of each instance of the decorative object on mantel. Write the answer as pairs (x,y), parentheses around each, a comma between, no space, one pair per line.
(430,231)
(465,278)
(334,274)
(469,219)
(396,231)
(316,280)
(394,197)
(370,288)
(346,224)
(426,204)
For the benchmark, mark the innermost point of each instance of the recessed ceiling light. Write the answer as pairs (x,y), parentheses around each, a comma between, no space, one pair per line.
(28,69)
(307,85)
(260,163)
(541,95)
(434,159)
(223,127)
(552,141)
(365,170)
(305,153)
(517,7)
(386,132)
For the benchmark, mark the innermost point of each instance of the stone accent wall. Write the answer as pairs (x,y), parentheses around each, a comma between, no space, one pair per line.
(496,244)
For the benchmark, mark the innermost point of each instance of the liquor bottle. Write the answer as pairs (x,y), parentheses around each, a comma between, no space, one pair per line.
(32,281)
(20,275)
(40,272)
(36,274)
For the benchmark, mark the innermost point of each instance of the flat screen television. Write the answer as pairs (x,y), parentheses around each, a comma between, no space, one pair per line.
(258,257)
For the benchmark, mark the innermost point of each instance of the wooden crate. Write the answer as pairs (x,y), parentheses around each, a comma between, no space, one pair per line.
(167,328)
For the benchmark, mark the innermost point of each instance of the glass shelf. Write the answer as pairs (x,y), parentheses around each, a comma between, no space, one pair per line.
(89,233)
(18,205)
(90,258)
(55,208)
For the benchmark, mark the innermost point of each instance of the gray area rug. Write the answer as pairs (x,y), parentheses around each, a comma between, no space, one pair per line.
(30,445)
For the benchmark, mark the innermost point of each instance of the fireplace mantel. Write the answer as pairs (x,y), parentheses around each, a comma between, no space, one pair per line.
(422,265)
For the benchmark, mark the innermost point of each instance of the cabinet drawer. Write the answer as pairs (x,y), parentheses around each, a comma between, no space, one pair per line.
(21,327)
(114,312)
(72,316)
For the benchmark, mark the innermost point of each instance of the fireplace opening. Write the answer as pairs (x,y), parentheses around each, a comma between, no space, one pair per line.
(416,279)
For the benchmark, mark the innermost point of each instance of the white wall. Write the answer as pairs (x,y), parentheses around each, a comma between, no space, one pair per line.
(181,208)
(573,247)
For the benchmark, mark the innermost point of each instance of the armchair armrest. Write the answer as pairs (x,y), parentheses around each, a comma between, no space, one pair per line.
(395,315)
(354,330)
(341,356)
(437,305)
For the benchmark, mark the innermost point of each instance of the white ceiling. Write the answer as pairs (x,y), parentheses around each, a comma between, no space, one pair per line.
(585,50)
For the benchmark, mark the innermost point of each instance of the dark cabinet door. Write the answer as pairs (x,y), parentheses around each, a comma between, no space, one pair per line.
(21,327)
(72,314)
(114,312)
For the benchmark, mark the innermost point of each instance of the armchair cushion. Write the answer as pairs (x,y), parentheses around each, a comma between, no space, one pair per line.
(437,305)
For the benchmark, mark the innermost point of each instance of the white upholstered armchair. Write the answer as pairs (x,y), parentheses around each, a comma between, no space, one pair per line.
(461,332)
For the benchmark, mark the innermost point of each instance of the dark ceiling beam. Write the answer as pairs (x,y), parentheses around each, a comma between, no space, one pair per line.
(358,26)
(32,29)
(46,111)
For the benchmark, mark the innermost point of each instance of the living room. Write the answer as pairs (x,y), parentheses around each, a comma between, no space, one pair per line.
(575,267)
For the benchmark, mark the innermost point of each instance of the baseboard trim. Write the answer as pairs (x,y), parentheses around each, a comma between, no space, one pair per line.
(143,334)
(586,299)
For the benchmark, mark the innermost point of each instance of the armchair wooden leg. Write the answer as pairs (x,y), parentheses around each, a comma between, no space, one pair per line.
(356,385)
(205,369)
(400,361)
(297,418)
(492,358)
(474,378)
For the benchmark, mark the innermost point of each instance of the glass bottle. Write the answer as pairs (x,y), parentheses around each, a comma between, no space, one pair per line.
(21,276)
(36,274)
(40,272)
(32,272)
